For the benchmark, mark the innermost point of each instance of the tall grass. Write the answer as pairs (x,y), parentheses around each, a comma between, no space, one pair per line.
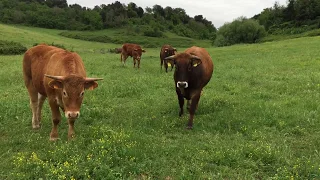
(258,117)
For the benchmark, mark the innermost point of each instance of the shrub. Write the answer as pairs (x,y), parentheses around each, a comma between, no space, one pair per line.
(241,30)
(153,32)
(11,48)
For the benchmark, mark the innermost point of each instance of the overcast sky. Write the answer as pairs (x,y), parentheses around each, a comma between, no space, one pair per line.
(216,11)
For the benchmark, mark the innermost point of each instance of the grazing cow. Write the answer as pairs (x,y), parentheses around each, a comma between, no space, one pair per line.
(60,75)
(133,50)
(166,51)
(193,71)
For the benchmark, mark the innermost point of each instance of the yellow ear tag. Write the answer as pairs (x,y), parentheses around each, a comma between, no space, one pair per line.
(195,65)
(169,64)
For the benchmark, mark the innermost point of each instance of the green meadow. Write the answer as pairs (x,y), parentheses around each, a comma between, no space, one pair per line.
(258,117)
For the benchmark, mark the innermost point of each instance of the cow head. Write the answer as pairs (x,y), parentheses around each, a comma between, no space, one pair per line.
(169,51)
(185,63)
(71,89)
(137,52)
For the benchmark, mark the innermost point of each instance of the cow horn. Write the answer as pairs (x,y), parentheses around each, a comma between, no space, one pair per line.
(170,57)
(195,57)
(55,77)
(93,79)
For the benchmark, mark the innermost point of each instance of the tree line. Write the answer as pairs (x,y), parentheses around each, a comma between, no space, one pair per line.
(57,14)
(296,17)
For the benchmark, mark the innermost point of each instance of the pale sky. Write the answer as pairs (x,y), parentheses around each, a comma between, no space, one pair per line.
(216,11)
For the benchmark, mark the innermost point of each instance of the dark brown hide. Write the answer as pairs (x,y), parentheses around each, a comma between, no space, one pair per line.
(133,50)
(60,75)
(194,68)
(166,51)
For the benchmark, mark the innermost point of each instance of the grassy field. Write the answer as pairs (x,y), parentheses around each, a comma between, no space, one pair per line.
(258,117)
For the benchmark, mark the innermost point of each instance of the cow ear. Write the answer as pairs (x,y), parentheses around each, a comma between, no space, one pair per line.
(90,85)
(143,50)
(174,49)
(55,84)
(195,61)
(170,60)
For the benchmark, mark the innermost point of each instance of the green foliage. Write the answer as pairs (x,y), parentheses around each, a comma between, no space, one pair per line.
(297,17)
(11,48)
(241,30)
(56,14)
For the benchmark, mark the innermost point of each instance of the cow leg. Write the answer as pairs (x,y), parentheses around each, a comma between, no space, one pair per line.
(33,94)
(41,100)
(56,118)
(181,101)
(71,128)
(138,63)
(123,59)
(166,66)
(193,107)
(188,104)
(161,64)
(134,62)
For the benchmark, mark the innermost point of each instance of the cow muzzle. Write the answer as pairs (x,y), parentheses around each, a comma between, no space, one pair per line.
(182,84)
(72,114)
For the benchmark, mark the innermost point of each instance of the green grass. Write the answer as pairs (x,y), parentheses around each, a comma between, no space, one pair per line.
(281,37)
(257,119)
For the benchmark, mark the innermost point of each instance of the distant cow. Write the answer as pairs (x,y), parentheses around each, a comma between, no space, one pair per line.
(194,69)
(133,50)
(166,51)
(60,75)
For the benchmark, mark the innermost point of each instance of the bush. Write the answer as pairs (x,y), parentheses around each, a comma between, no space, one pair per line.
(154,32)
(11,48)
(241,30)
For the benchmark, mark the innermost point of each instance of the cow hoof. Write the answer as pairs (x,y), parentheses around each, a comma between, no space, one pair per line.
(36,127)
(189,127)
(54,138)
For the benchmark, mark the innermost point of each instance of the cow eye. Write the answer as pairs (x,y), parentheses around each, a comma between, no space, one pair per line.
(81,94)
(65,94)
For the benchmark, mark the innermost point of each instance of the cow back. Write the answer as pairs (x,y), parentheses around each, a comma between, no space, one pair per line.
(128,49)
(44,59)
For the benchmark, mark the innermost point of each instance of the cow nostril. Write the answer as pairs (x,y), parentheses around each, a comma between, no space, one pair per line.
(73,114)
(181,84)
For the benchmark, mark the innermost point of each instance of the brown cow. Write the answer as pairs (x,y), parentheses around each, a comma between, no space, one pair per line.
(194,69)
(166,51)
(133,50)
(60,75)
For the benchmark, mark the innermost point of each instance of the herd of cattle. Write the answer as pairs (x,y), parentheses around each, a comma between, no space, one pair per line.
(60,75)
